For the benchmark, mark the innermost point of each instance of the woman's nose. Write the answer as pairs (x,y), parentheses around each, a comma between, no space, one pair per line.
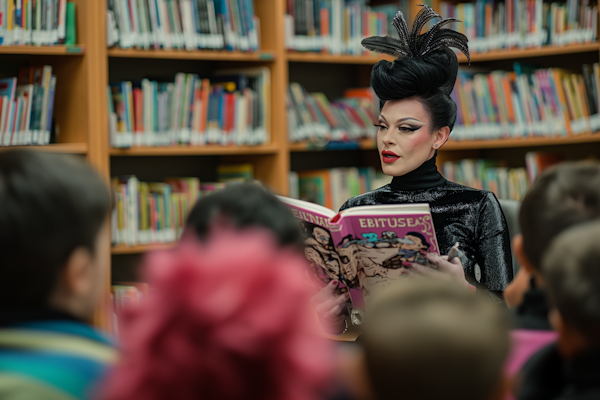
(388,138)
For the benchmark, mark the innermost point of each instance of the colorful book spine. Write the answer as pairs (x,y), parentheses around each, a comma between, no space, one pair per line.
(505,183)
(312,117)
(523,23)
(153,212)
(36,22)
(183,24)
(526,103)
(233,109)
(333,26)
(27,107)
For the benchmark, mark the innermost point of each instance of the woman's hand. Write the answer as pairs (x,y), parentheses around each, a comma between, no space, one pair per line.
(330,307)
(444,269)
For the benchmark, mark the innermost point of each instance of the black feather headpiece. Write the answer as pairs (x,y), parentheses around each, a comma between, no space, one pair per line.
(414,44)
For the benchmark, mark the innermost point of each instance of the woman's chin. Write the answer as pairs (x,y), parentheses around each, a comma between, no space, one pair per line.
(393,170)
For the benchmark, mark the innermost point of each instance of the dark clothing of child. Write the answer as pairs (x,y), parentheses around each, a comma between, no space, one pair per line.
(548,377)
(532,313)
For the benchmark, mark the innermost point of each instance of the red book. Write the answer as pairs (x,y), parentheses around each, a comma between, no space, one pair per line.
(230,116)
(205,94)
(138,110)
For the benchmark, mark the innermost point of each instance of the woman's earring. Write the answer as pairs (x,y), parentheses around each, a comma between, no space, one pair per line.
(435,145)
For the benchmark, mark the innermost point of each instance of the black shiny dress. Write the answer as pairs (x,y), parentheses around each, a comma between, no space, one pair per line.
(460,214)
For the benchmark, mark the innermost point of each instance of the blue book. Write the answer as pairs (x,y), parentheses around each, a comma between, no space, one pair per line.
(50,108)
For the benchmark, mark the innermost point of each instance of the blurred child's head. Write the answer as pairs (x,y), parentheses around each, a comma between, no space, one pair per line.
(427,339)
(54,240)
(245,205)
(227,318)
(571,269)
(563,196)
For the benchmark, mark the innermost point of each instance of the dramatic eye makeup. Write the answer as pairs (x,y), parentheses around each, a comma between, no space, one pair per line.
(402,125)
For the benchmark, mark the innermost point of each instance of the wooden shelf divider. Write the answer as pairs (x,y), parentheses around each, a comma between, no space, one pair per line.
(369,59)
(139,249)
(194,150)
(58,50)
(207,55)
(454,145)
(67,148)
(458,145)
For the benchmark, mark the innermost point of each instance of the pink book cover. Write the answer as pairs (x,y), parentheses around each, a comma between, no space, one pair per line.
(363,247)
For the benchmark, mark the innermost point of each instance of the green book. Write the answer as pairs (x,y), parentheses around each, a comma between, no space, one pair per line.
(71,35)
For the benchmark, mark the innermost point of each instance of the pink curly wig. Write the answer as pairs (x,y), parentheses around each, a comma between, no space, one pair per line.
(226,320)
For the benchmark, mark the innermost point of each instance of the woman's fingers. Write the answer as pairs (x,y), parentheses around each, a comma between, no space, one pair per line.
(326,293)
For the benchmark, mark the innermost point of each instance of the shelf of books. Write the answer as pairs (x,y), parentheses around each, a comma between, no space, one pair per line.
(208,55)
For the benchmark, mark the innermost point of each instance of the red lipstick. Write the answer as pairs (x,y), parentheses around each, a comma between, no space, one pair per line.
(389,156)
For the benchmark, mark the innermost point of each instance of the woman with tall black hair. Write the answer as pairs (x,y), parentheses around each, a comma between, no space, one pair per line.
(416,119)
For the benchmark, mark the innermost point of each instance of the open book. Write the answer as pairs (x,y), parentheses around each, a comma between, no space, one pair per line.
(363,247)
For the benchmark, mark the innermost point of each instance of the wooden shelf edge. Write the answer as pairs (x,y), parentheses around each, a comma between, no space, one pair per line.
(521,142)
(192,55)
(57,50)
(71,148)
(209,150)
(313,57)
(363,144)
(122,249)
(531,52)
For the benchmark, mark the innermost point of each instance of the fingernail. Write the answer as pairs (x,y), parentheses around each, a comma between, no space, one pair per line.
(407,264)
(423,253)
(334,282)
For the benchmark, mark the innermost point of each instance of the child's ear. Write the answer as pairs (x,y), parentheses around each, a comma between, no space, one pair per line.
(556,320)
(76,278)
(517,245)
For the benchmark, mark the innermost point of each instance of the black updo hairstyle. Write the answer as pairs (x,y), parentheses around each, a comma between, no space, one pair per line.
(426,68)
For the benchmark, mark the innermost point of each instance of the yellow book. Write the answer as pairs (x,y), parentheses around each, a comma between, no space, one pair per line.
(574,86)
(144,192)
(9,13)
(582,98)
(566,83)
(556,75)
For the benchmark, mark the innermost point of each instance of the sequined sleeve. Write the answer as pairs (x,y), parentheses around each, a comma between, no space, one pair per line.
(494,255)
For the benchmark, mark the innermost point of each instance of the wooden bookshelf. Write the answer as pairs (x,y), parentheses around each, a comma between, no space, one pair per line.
(208,55)
(81,108)
(194,150)
(67,148)
(44,50)
(117,250)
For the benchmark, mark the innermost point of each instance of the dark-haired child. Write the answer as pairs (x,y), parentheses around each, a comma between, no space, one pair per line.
(54,245)
(563,196)
(570,368)
(246,205)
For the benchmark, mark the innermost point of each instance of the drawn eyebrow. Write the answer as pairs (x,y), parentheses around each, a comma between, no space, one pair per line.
(406,119)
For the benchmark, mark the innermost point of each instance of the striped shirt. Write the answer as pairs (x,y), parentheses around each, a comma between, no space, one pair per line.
(52,360)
